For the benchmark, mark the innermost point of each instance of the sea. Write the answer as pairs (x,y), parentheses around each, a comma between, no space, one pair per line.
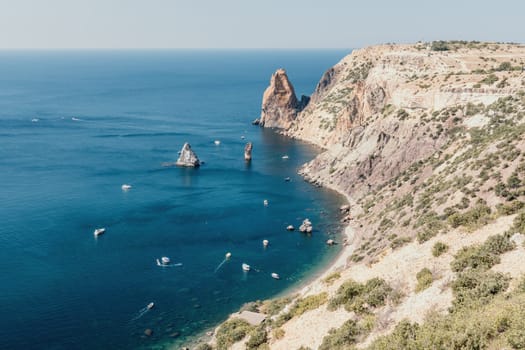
(75,125)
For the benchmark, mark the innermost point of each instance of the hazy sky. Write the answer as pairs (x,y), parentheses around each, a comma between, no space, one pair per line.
(252,23)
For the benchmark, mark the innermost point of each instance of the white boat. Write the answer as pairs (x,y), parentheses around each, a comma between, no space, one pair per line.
(99,231)
(217,142)
(246,267)
(265,202)
(265,242)
(35,120)
(228,255)
(125,187)
(163,261)
(243,137)
(150,306)
(287,179)
(285,156)
(276,276)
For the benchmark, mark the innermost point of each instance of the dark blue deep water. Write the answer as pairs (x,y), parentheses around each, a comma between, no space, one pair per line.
(106,118)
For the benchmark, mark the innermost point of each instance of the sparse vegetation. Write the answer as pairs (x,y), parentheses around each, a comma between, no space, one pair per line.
(343,337)
(332,278)
(424,279)
(359,297)
(439,248)
(232,331)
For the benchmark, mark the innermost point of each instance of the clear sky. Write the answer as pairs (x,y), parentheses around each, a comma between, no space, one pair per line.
(253,23)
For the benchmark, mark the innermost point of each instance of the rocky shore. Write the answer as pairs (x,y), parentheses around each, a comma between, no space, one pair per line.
(426,143)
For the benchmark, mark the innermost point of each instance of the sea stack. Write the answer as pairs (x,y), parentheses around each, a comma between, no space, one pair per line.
(280,105)
(248,151)
(187,157)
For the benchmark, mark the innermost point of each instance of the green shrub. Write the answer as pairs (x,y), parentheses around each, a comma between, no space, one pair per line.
(439,248)
(498,244)
(519,223)
(403,337)
(482,256)
(439,45)
(510,208)
(347,291)
(343,337)
(489,79)
(355,296)
(332,277)
(376,291)
(274,306)
(278,333)
(231,332)
(474,257)
(471,219)
(476,287)
(311,302)
(399,242)
(258,337)
(424,279)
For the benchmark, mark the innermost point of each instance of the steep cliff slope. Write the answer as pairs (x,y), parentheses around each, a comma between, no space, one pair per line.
(427,141)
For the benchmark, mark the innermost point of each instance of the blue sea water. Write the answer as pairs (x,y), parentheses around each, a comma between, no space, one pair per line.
(105,118)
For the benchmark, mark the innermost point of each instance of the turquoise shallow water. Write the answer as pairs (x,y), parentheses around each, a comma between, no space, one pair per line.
(111,117)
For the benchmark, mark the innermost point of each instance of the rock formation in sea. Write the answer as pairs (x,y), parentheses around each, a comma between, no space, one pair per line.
(187,157)
(280,104)
(248,151)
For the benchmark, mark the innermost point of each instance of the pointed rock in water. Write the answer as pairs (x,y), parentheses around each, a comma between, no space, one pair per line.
(280,105)
(187,157)
(248,151)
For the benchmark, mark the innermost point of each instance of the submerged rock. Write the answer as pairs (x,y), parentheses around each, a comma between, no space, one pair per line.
(187,157)
(248,151)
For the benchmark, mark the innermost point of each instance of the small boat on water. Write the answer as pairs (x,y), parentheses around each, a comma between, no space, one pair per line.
(217,142)
(228,255)
(150,306)
(285,156)
(99,231)
(35,120)
(125,187)
(265,243)
(265,202)
(287,179)
(275,276)
(246,267)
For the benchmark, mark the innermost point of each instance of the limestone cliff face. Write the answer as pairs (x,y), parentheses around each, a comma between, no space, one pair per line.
(371,110)
(280,104)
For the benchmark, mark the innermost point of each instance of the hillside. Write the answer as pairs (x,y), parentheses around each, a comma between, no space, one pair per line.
(427,142)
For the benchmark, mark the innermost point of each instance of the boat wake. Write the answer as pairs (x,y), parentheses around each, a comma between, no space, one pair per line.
(140,313)
(220,265)
(226,258)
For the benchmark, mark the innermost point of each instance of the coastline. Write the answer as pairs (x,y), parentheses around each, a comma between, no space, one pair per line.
(312,285)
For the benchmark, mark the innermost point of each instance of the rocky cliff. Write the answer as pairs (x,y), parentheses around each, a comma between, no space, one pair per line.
(280,104)
(374,111)
(427,141)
